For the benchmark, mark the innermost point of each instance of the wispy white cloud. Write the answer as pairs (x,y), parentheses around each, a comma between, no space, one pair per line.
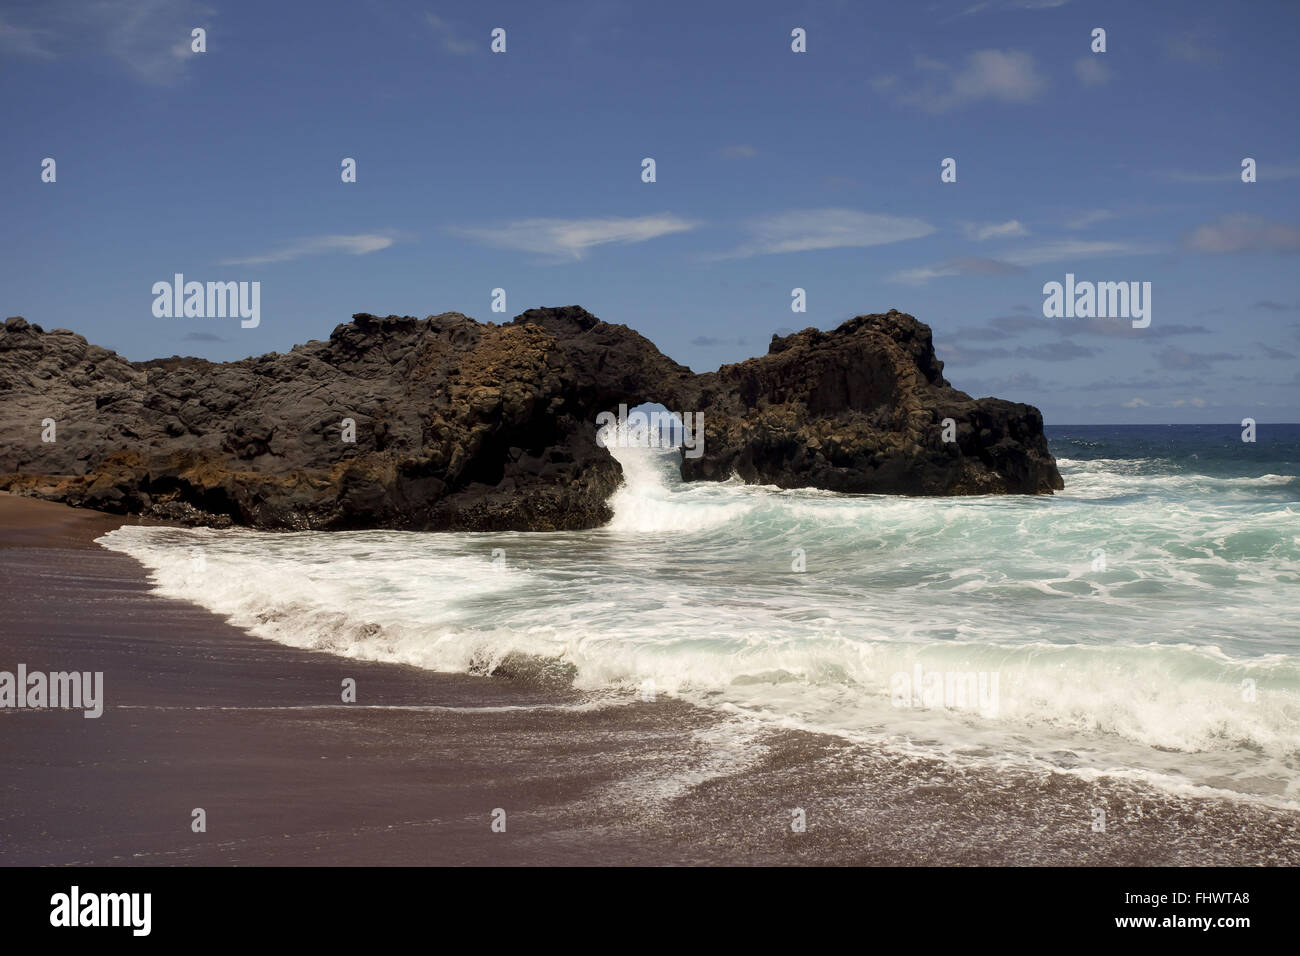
(806,230)
(960,266)
(151,38)
(1191,48)
(357,245)
(1063,250)
(572,238)
(1091,70)
(1086,219)
(983,231)
(1007,327)
(1007,76)
(742,151)
(1179,359)
(448,37)
(992,6)
(1240,232)
(1045,352)
(1123,329)
(24,41)
(1273,352)
(1017,260)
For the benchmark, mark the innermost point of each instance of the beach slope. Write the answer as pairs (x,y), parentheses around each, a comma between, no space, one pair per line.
(200,715)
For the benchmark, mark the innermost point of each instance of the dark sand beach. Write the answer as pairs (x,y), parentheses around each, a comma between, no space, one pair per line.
(201,714)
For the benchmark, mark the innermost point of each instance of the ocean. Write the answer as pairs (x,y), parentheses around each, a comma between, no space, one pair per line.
(1140,624)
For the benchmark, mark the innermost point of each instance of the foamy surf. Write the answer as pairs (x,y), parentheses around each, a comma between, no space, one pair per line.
(1141,623)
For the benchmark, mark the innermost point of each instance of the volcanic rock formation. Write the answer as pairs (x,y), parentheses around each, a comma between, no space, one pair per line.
(461,425)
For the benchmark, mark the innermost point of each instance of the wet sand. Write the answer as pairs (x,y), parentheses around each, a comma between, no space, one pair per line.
(199,714)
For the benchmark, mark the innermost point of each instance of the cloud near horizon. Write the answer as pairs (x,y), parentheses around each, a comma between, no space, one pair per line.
(811,229)
(1090,218)
(1006,327)
(1059,250)
(982,231)
(1045,352)
(1173,357)
(959,266)
(572,238)
(1240,232)
(741,151)
(358,245)
(1062,250)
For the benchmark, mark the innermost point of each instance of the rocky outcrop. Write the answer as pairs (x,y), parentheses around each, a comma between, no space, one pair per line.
(861,410)
(461,425)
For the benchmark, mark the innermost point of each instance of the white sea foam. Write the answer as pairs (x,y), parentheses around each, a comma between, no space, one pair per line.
(1176,658)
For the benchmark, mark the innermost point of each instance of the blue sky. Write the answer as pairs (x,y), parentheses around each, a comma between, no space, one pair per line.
(774,170)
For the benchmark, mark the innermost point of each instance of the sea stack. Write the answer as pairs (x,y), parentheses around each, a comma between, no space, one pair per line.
(445,423)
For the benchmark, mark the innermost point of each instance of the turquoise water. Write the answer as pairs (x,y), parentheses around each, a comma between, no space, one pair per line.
(1142,622)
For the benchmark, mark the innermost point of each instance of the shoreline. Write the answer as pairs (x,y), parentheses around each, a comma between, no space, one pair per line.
(200,714)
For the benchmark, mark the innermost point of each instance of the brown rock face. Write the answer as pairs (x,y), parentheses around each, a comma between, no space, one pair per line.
(467,426)
(861,409)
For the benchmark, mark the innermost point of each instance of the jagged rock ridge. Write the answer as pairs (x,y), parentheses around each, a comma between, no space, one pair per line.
(462,425)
